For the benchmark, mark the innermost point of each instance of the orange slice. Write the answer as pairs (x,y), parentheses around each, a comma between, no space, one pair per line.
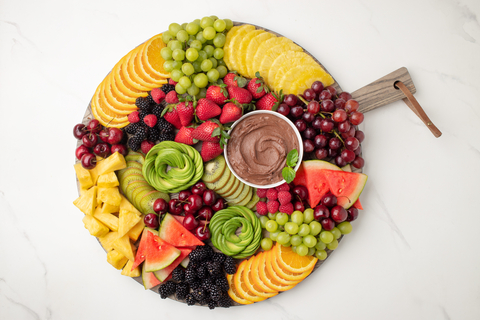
(110,109)
(122,83)
(288,275)
(270,255)
(291,261)
(255,275)
(129,74)
(119,93)
(106,120)
(151,58)
(145,74)
(270,282)
(233,293)
(250,283)
(115,100)
(228,50)
(134,70)
(241,287)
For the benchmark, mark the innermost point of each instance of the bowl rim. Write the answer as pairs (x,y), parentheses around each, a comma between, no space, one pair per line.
(280,116)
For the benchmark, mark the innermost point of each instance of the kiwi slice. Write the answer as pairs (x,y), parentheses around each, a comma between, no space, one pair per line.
(228,186)
(221,182)
(125,172)
(236,184)
(130,178)
(139,195)
(134,164)
(213,169)
(246,199)
(132,186)
(237,192)
(148,199)
(240,196)
(254,201)
(137,191)
(137,157)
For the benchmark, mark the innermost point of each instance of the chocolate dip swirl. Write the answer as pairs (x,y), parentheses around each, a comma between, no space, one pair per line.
(258,148)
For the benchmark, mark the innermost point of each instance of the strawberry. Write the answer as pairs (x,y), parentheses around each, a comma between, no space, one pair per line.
(234,80)
(186,112)
(133,117)
(286,208)
(257,87)
(171,115)
(171,97)
(272,206)
(284,197)
(150,120)
(230,113)
(270,101)
(217,94)
(210,150)
(146,146)
(204,132)
(157,95)
(207,109)
(262,208)
(184,135)
(241,95)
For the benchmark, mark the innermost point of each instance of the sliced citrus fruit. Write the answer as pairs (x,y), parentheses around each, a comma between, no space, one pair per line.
(100,115)
(264,276)
(129,73)
(252,50)
(151,58)
(255,275)
(270,255)
(242,289)
(250,283)
(285,61)
(288,275)
(103,110)
(122,83)
(119,93)
(112,110)
(227,48)
(291,261)
(145,74)
(115,100)
(235,43)
(305,82)
(272,53)
(233,293)
(242,51)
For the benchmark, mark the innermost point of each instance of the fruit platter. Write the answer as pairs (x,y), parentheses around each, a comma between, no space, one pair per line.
(219,164)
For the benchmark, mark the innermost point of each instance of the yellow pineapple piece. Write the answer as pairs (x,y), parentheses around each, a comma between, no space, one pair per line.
(283,44)
(95,227)
(109,195)
(136,231)
(84,177)
(82,191)
(252,50)
(285,61)
(107,240)
(234,45)
(108,180)
(113,163)
(127,270)
(127,220)
(296,73)
(306,81)
(116,259)
(125,247)
(88,201)
(242,51)
(126,206)
(109,208)
(107,219)
(227,48)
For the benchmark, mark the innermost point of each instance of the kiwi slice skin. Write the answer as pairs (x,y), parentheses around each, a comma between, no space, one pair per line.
(239,191)
(228,186)
(221,182)
(213,169)
(148,199)
(236,185)
(253,202)
(245,199)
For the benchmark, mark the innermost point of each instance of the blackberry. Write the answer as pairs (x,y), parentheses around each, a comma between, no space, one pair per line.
(142,133)
(143,103)
(207,284)
(167,136)
(202,272)
(229,265)
(142,114)
(215,293)
(211,304)
(214,268)
(150,101)
(222,283)
(178,274)
(153,134)
(195,284)
(124,137)
(199,254)
(167,289)
(164,126)
(134,143)
(218,257)
(182,290)
(157,110)
(167,88)
(190,275)
(132,128)
(190,299)
(199,294)
(225,301)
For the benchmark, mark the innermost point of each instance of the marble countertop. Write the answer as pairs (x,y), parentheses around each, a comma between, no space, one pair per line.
(413,253)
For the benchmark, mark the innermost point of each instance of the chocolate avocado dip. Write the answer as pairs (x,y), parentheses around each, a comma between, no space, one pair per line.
(258,148)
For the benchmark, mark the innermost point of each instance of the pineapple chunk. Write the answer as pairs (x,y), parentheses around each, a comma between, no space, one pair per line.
(109,195)
(116,259)
(107,219)
(126,206)
(83,191)
(113,163)
(127,270)
(127,220)
(107,240)
(95,227)
(88,201)
(108,180)
(108,208)
(84,177)
(136,231)
(125,247)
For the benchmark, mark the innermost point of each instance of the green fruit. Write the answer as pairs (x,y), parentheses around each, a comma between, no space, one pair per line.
(228,186)
(237,192)
(243,202)
(137,191)
(236,185)
(125,172)
(147,201)
(253,202)
(134,164)
(213,169)
(220,183)
(135,156)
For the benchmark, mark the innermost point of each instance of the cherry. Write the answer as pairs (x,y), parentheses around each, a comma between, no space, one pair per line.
(205,213)
(175,206)
(89,161)
(329,200)
(301,192)
(320,212)
(183,195)
(120,148)
(202,233)
(94,126)
(327,224)
(218,205)
(317,86)
(115,135)
(160,206)
(290,100)
(195,201)
(151,220)
(189,222)
(102,150)
(90,140)
(189,209)
(199,188)
(80,151)
(79,131)
(104,135)
(309,94)
(338,214)
(298,206)
(283,109)
(352,214)
(209,197)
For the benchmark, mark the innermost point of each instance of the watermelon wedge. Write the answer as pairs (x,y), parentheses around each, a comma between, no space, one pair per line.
(346,186)
(357,204)
(176,234)
(159,254)
(149,279)
(142,247)
(165,272)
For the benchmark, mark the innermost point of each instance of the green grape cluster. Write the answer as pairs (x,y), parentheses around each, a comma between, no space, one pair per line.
(302,232)
(194,53)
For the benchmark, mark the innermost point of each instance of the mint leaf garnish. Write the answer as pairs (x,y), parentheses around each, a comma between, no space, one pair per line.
(292,158)
(288,173)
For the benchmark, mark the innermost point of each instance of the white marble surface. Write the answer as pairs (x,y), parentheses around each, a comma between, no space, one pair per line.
(413,253)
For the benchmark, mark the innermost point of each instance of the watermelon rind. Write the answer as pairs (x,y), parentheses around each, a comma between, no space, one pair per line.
(346,186)
(159,254)
(149,279)
(176,234)
(163,274)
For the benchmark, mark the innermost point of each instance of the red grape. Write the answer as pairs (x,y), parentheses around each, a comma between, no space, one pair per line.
(340,103)
(339,161)
(321,153)
(296,112)
(327,125)
(283,109)
(360,136)
(347,155)
(345,96)
(351,105)
(308,145)
(309,133)
(301,125)
(356,118)
(339,115)
(358,162)
(290,100)
(309,94)
(332,90)
(308,117)
(335,143)
(352,143)
(325,94)
(320,141)
(327,105)
(317,86)
(313,107)
(343,127)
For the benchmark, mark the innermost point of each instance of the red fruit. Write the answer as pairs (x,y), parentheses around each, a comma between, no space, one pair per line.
(89,161)
(268,102)
(120,148)
(186,112)
(101,150)
(284,197)
(272,194)
(115,135)
(150,120)
(172,117)
(90,140)
(239,94)
(286,208)
(232,79)
(207,109)
(80,151)
(210,150)
(230,113)
(160,206)
(273,206)
(157,95)
(146,146)
(283,187)
(79,131)
(171,97)
(262,193)
(103,135)
(133,117)
(204,132)
(94,126)
(172,82)
(257,87)
(262,208)
(217,94)
(151,221)
(202,233)
(185,136)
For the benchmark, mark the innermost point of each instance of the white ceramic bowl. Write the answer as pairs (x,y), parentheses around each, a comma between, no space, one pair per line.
(282,118)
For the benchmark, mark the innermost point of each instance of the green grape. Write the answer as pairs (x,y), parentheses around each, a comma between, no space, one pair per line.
(315,227)
(188,69)
(336,233)
(213,75)
(178,54)
(291,227)
(308,215)
(209,50)
(206,65)
(321,254)
(311,251)
(191,54)
(175,44)
(218,54)
(177,64)
(191,38)
(184,25)
(297,217)
(192,28)
(302,250)
(166,37)
(294,248)
(283,238)
(197,21)
(326,237)
(310,241)
(176,74)
(333,245)
(180,89)
(345,227)
(222,70)
(202,93)
(168,65)
(166,53)
(273,235)
(266,244)
(209,33)
(228,24)
(304,230)
(206,22)
(320,246)
(214,18)
(196,66)
(271,226)
(272,215)
(201,80)
(295,240)
(281,218)
(201,38)
(263,221)
(288,244)
(185,82)
(214,62)
(196,44)
(174,28)
(219,25)
(219,40)
(193,90)
(182,36)
(202,55)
